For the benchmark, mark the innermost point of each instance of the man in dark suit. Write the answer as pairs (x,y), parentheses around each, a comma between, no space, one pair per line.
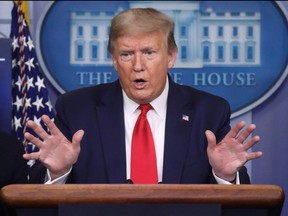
(193,139)
(13,168)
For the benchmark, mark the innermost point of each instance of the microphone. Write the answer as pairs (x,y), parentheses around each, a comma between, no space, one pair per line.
(129,181)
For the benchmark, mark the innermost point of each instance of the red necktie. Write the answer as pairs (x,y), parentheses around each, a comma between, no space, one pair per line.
(143,157)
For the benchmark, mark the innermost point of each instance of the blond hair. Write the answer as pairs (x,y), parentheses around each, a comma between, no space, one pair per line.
(137,21)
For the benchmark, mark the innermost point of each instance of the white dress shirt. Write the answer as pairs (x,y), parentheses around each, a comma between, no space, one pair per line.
(156,118)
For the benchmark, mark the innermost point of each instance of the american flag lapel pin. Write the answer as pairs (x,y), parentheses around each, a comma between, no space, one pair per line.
(185,117)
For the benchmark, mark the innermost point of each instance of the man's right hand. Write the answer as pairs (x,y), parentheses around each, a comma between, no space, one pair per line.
(56,152)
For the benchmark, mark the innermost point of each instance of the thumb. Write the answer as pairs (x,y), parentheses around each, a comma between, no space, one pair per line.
(211,139)
(77,137)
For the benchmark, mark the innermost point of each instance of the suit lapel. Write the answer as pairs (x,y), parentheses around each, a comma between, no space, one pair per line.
(111,124)
(178,127)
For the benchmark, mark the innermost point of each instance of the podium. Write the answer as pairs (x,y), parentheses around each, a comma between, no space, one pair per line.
(137,200)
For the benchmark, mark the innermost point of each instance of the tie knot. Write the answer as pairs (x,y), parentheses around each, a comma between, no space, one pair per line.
(145,108)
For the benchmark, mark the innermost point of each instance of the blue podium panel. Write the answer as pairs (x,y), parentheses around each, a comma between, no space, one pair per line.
(144,210)
(154,209)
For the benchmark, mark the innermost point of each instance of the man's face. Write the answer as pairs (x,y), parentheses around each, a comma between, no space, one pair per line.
(142,64)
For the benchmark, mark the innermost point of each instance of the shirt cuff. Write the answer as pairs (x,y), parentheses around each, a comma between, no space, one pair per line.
(60,180)
(222,181)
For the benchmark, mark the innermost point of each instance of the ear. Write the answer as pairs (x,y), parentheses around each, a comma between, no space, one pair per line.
(171,59)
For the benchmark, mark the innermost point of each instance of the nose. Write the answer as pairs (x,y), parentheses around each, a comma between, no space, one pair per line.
(138,63)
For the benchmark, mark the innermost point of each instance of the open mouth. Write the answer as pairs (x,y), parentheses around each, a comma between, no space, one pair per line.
(140,83)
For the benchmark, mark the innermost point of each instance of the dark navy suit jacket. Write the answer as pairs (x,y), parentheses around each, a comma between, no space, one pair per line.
(99,112)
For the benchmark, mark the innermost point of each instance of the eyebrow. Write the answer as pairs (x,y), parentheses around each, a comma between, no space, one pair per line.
(129,50)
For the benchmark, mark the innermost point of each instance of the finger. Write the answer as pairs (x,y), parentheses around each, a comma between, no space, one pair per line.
(246,133)
(254,155)
(77,137)
(51,125)
(31,156)
(37,129)
(250,143)
(236,129)
(211,139)
(36,141)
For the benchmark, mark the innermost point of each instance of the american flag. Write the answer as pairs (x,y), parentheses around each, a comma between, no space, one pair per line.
(185,117)
(29,92)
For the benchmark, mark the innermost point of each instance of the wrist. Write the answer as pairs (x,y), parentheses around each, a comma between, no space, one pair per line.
(232,179)
(55,175)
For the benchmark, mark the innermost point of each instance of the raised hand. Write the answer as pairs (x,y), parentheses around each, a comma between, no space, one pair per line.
(228,156)
(56,152)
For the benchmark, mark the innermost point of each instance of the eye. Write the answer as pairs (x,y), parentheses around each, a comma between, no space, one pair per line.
(126,56)
(150,54)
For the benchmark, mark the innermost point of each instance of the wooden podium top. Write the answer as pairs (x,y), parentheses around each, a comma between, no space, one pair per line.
(269,196)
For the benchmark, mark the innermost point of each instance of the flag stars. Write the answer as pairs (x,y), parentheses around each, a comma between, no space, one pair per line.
(19,63)
(39,83)
(30,163)
(30,43)
(17,123)
(30,64)
(38,103)
(14,63)
(49,105)
(37,120)
(18,103)
(30,83)
(15,44)
(28,103)
(19,83)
